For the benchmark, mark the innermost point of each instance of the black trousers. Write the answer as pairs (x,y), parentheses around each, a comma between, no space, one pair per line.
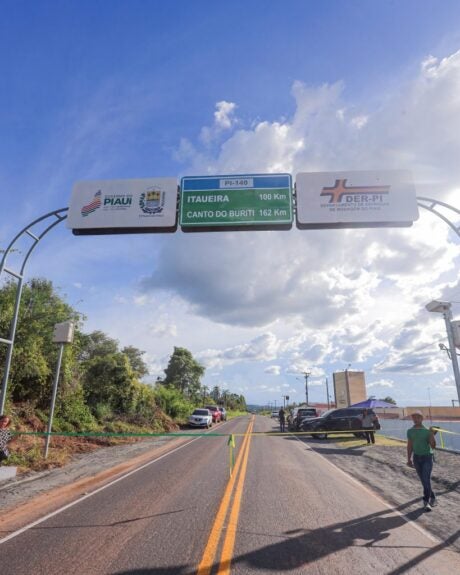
(369,433)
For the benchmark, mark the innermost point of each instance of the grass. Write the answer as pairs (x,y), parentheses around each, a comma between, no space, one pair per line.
(348,442)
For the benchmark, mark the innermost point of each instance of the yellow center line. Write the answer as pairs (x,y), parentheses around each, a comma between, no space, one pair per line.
(230,536)
(205,565)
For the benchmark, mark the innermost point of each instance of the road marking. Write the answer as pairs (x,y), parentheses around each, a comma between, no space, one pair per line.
(206,563)
(69,505)
(230,537)
(375,495)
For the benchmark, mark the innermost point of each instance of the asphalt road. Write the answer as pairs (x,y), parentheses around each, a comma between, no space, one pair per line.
(284,510)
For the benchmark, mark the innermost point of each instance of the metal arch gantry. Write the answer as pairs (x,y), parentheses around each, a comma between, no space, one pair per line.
(433,206)
(57,216)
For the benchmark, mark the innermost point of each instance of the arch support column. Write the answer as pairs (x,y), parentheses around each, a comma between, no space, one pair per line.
(50,220)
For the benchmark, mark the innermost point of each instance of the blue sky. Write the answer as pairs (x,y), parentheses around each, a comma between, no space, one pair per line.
(139,89)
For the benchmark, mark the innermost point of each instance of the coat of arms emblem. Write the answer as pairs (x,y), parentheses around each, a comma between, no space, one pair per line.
(152,201)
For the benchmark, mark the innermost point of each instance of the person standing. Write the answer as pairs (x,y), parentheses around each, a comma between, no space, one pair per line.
(367,423)
(420,445)
(282,418)
(5,437)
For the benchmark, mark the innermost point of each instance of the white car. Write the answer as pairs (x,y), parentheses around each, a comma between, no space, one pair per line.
(200,418)
(275,414)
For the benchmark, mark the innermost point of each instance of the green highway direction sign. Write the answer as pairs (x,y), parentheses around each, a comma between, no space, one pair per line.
(254,201)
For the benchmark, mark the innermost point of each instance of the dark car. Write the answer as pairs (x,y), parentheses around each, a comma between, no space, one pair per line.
(215,412)
(334,420)
(223,413)
(299,414)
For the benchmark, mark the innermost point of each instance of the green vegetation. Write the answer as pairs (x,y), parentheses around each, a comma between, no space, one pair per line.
(100,387)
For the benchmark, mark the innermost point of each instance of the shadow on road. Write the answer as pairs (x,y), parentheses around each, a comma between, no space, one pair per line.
(301,547)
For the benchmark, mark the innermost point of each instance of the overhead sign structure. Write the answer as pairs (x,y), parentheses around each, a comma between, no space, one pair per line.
(123,206)
(355,199)
(255,201)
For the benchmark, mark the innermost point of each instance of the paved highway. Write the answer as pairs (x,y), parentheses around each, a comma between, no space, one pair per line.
(284,510)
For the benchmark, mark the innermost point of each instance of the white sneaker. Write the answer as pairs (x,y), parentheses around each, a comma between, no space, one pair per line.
(427,507)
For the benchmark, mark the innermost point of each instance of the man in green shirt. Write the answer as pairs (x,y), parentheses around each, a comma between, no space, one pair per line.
(420,445)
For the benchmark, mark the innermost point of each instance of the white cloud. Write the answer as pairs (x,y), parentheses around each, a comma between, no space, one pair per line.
(273,369)
(380,383)
(224,119)
(223,116)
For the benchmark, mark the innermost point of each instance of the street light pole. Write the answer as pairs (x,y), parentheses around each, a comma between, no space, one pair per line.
(444,307)
(327,393)
(306,375)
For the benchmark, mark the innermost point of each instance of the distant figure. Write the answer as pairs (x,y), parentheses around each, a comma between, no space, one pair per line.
(282,418)
(367,422)
(5,437)
(420,445)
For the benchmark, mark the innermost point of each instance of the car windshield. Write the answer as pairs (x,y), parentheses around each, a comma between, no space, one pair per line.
(328,412)
(211,408)
(200,412)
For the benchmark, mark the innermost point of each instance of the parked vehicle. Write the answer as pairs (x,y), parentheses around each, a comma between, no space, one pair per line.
(299,414)
(223,413)
(215,412)
(274,414)
(348,418)
(200,418)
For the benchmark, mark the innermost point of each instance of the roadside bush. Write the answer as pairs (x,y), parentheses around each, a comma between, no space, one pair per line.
(103,412)
(172,402)
(73,414)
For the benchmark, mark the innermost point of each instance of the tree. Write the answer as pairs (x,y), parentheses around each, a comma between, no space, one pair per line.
(138,365)
(184,373)
(107,381)
(97,344)
(34,353)
(389,399)
(215,393)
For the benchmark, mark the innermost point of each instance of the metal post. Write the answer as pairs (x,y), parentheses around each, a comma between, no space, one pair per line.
(306,374)
(9,352)
(327,393)
(453,353)
(53,399)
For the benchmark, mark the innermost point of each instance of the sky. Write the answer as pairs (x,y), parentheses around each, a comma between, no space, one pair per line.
(113,89)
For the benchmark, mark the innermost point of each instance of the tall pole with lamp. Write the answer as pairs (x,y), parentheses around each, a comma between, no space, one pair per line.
(63,333)
(444,307)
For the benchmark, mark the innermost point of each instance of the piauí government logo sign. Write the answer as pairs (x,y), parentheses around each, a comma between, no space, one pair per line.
(93,205)
(152,201)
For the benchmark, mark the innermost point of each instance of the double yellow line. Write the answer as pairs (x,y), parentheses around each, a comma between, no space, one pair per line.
(210,551)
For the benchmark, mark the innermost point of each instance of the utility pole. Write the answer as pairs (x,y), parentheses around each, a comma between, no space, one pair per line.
(327,393)
(306,375)
(444,307)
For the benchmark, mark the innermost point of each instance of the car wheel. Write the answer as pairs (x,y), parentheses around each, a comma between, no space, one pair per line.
(321,435)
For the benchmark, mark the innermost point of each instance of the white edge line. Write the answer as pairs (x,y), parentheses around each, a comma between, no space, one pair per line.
(375,495)
(69,505)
